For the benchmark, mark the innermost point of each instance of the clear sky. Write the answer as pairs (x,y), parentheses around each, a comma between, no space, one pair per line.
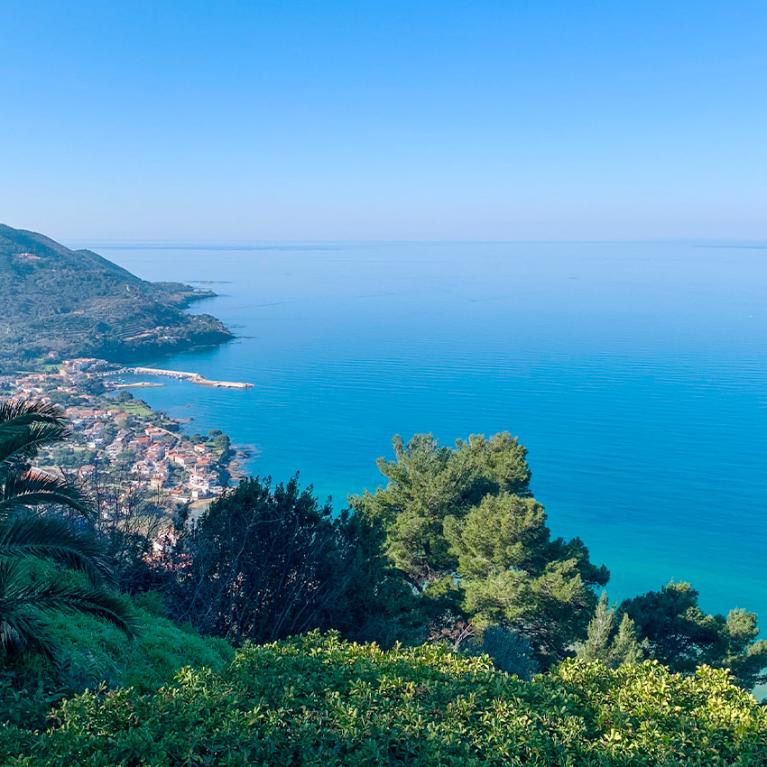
(241,121)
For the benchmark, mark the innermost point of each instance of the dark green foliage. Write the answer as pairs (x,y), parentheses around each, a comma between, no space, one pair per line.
(462,525)
(266,562)
(318,702)
(508,651)
(60,303)
(378,604)
(682,636)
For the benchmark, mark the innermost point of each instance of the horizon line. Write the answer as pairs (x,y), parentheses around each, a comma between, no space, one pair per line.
(319,244)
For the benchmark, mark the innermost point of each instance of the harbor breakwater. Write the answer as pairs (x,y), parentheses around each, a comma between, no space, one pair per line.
(182,375)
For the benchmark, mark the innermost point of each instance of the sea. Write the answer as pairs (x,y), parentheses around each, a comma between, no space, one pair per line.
(634,373)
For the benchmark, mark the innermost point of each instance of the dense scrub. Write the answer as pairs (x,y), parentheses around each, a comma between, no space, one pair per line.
(320,701)
(265,562)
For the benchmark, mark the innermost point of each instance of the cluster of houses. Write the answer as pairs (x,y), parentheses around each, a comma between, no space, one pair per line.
(164,460)
(118,440)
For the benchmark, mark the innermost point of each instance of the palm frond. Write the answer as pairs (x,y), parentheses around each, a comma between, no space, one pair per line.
(26,424)
(24,604)
(88,600)
(24,440)
(39,488)
(54,539)
(23,631)
(26,411)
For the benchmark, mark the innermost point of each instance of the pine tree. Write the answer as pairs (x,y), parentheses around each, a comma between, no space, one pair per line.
(625,648)
(604,643)
(598,633)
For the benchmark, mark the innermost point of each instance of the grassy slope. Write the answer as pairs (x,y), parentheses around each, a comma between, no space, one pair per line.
(145,662)
(93,653)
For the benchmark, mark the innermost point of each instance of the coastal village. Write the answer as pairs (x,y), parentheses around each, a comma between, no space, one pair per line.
(119,439)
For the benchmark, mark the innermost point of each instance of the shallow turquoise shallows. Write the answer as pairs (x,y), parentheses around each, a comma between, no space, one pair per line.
(636,375)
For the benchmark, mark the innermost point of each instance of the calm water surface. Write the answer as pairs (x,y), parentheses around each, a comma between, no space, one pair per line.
(636,374)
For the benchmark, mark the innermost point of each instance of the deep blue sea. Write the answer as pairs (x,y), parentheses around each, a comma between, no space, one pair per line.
(636,375)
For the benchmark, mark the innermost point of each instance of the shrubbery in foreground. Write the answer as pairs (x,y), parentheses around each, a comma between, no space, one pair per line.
(93,653)
(320,701)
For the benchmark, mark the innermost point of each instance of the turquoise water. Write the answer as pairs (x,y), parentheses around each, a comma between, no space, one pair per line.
(636,374)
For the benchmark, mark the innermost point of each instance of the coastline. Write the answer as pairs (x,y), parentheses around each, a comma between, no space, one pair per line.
(127,443)
(64,304)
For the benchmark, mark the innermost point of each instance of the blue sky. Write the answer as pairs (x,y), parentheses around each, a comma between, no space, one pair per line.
(235,121)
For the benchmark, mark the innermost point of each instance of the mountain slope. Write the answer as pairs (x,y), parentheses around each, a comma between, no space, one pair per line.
(60,303)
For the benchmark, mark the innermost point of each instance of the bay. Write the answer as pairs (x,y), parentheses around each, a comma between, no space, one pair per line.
(635,374)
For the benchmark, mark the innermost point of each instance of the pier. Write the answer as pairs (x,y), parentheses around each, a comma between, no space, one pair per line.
(182,375)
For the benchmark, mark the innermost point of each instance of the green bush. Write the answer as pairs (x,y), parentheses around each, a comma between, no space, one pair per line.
(320,701)
(93,654)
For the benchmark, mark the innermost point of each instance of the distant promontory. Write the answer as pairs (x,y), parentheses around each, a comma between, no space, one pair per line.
(59,303)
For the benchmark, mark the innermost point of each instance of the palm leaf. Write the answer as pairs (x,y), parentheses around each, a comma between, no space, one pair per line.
(26,425)
(54,539)
(22,441)
(38,488)
(54,597)
(24,604)
(26,411)
(25,630)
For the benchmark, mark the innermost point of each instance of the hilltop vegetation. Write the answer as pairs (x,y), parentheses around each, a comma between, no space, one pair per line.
(60,303)
(320,701)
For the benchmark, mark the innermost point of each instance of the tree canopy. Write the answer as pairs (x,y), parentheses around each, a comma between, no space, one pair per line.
(611,642)
(463,527)
(265,562)
(682,636)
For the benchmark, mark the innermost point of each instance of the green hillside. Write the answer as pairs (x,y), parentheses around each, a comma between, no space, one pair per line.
(61,303)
